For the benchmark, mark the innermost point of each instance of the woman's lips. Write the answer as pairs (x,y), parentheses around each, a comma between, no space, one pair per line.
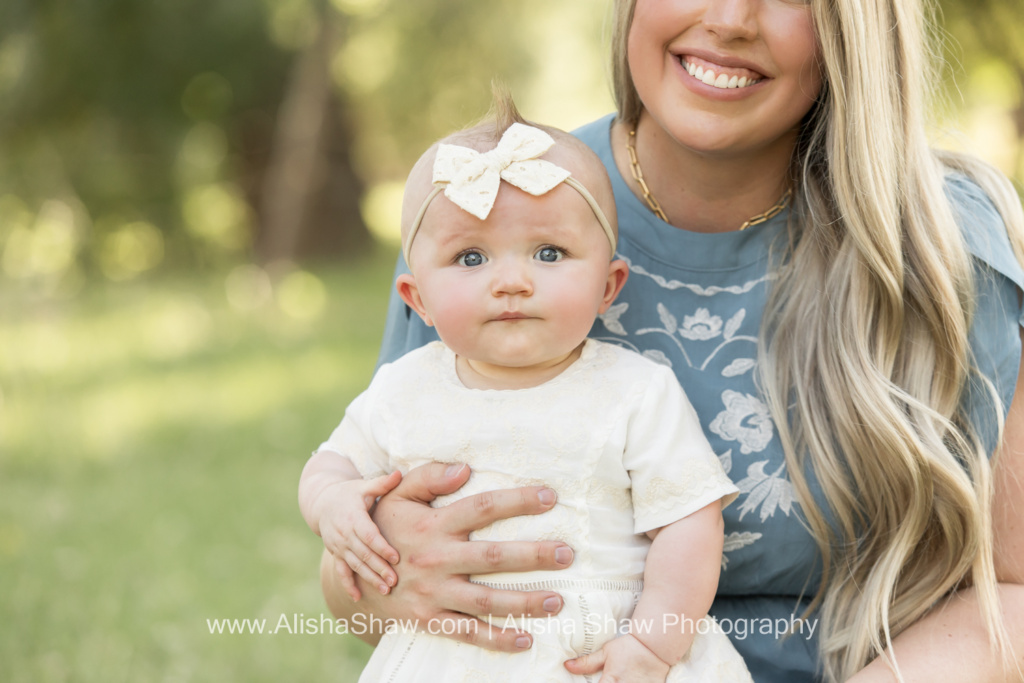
(717,75)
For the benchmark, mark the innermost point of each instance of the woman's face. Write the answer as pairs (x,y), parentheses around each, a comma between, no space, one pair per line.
(725,77)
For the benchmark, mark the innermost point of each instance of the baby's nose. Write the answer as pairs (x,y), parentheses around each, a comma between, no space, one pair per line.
(512,277)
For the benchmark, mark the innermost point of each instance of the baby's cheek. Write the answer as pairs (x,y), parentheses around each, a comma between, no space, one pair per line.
(578,314)
(454,318)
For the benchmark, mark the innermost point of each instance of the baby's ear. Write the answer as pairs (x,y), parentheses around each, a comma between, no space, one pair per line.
(618,272)
(410,293)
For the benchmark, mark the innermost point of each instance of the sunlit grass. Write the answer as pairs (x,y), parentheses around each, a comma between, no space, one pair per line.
(151,439)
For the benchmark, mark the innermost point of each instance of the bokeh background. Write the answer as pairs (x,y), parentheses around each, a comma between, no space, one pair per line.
(198,220)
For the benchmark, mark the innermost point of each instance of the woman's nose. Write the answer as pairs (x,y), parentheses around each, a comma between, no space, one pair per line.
(731,19)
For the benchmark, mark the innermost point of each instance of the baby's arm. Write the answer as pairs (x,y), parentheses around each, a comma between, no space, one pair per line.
(680,580)
(335,502)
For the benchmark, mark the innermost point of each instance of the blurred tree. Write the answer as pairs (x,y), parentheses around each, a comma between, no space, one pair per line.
(986,30)
(310,199)
(195,131)
(135,111)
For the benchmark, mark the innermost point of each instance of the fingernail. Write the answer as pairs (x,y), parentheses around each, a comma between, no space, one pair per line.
(453,470)
(552,604)
(383,589)
(546,496)
(522,642)
(563,555)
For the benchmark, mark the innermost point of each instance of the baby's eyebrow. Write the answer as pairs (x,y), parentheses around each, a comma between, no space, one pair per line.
(450,236)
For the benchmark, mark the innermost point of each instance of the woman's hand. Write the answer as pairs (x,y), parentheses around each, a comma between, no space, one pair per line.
(433,591)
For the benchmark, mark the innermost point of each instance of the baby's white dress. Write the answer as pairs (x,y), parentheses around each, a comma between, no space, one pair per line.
(613,435)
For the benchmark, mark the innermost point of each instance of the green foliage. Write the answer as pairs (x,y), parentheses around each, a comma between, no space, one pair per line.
(99,97)
(132,119)
(151,440)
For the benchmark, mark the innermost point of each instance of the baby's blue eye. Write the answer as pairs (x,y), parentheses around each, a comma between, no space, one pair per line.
(550,255)
(471,258)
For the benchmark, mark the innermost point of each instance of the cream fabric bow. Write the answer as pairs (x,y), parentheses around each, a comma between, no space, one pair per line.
(472,178)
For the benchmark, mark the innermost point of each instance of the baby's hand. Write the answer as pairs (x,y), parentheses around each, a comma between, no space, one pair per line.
(351,536)
(622,659)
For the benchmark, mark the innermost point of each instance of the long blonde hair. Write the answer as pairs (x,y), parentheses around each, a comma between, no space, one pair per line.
(864,344)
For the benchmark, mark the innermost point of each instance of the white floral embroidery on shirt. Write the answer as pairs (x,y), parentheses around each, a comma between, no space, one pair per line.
(696,289)
(745,419)
(737,540)
(726,460)
(658,356)
(738,367)
(610,318)
(699,326)
(770,491)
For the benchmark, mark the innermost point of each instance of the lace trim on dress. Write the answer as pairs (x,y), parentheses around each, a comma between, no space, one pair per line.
(576,585)
(661,494)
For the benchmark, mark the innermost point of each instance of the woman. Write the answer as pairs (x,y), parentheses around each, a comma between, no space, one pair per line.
(843,312)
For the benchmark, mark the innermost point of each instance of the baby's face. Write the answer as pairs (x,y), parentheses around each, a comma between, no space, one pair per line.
(521,288)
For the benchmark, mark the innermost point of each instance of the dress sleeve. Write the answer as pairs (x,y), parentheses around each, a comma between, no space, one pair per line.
(403,331)
(360,433)
(673,470)
(994,335)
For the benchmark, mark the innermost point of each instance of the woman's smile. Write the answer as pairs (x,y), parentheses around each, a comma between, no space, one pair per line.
(718,75)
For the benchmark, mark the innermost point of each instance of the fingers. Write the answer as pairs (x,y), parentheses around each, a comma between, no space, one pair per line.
(347,578)
(371,568)
(427,482)
(364,561)
(378,486)
(480,633)
(477,511)
(472,598)
(369,541)
(587,664)
(488,557)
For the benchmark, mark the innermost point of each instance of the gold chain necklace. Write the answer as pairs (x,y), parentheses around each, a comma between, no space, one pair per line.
(638,176)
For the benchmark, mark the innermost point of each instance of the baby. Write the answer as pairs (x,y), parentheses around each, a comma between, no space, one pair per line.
(512,275)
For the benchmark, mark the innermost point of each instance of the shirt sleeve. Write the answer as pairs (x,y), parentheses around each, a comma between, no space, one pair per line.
(359,436)
(403,330)
(673,470)
(994,335)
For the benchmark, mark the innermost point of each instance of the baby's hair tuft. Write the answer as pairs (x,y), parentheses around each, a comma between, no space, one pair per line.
(503,112)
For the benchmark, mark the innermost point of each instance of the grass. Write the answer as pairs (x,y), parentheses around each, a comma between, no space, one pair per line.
(151,439)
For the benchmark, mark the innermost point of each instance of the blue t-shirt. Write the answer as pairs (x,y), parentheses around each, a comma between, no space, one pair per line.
(694,302)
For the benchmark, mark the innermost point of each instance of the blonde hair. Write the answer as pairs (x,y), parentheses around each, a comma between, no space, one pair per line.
(864,346)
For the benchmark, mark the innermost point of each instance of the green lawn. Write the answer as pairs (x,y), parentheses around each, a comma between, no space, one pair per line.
(151,439)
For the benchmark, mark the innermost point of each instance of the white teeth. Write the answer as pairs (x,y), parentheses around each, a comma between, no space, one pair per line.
(723,81)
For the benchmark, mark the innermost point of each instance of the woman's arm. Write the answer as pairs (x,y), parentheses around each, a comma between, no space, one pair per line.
(950,643)
(437,557)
